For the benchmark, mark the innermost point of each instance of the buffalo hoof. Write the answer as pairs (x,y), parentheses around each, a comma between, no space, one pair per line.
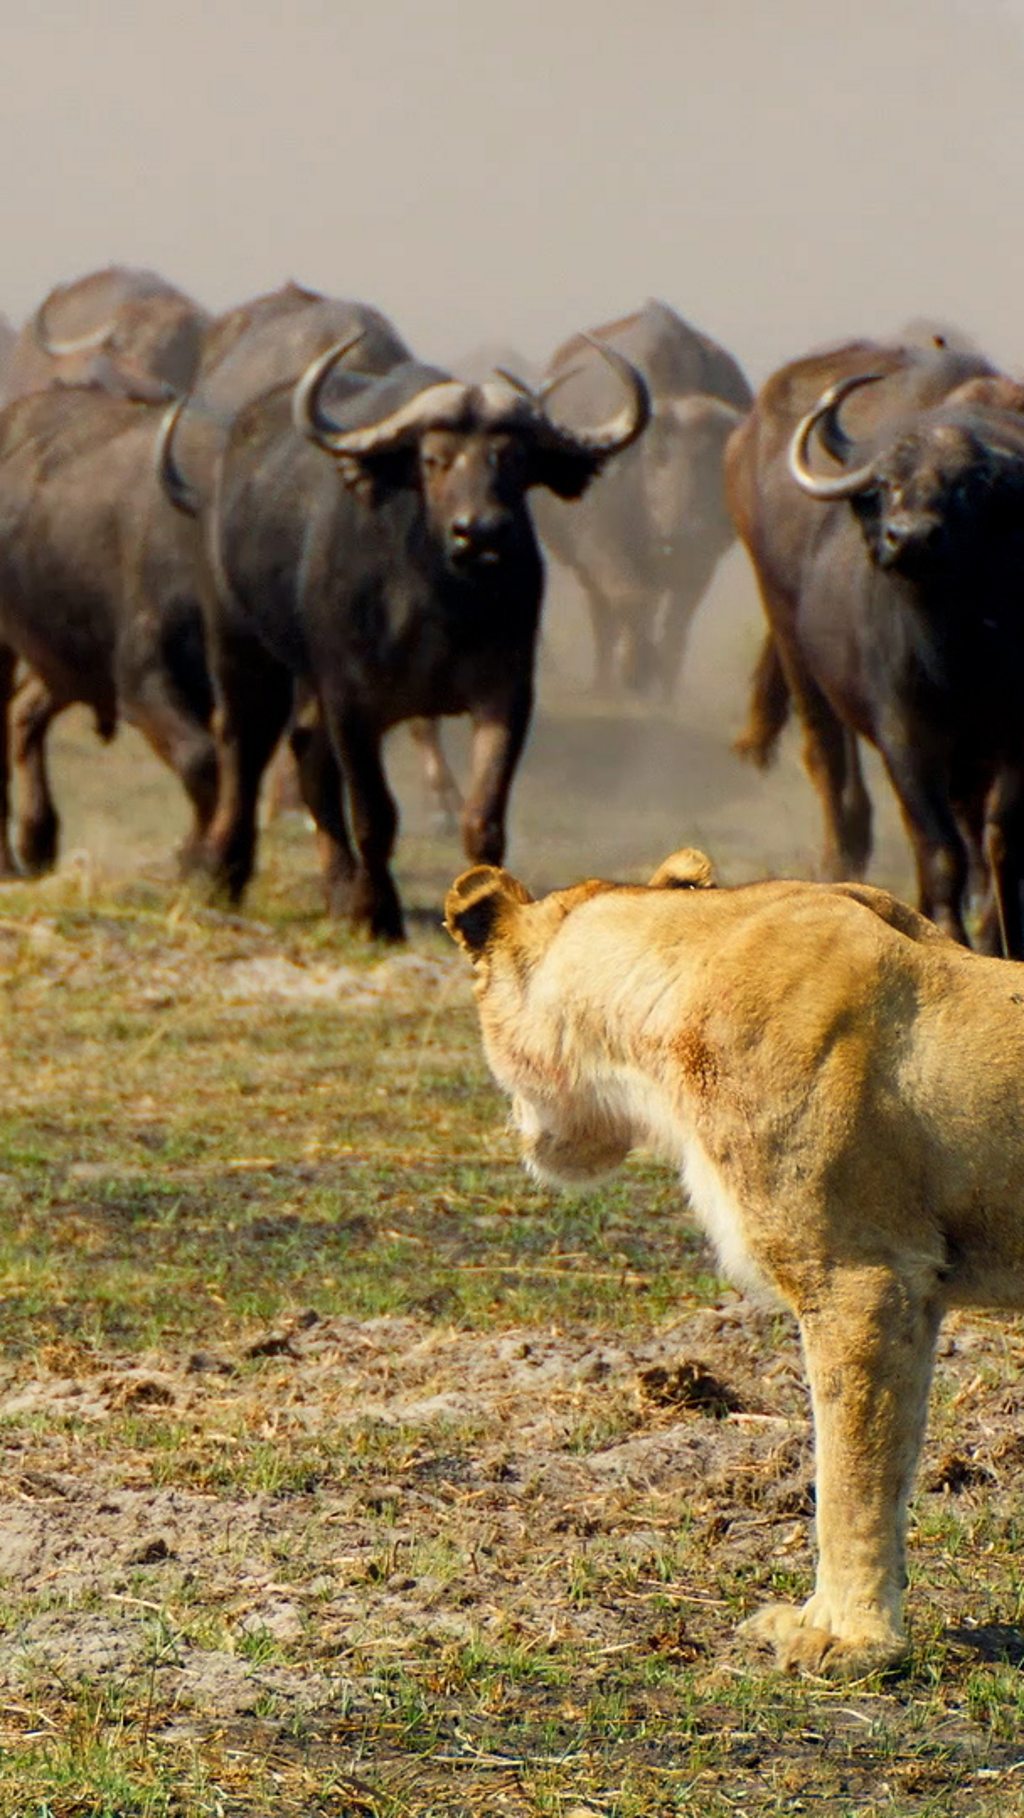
(375,910)
(381,925)
(483,841)
(338,900)
(37,843)
(210,884)
(221,871)
(380,930)
(191,858)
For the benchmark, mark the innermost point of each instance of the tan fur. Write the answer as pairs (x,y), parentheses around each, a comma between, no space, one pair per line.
(841,1089)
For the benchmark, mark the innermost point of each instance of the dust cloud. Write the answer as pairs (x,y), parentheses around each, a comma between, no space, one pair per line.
(500,176)
(779,174)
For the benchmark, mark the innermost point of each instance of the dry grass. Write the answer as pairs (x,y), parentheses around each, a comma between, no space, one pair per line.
(346,1471)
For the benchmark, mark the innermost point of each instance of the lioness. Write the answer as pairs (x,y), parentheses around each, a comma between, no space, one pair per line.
(841,1088)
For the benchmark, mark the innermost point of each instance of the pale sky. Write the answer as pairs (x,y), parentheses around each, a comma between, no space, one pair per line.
(507,171)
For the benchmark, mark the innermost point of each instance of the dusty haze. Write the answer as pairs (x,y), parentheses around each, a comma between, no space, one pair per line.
(779,173)
(503,174)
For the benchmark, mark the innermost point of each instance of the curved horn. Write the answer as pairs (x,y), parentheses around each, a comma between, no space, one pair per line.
(612,436)
(542,392)
(620,430)
(853,480)
(59,350)
(305,397)
(437,403)
(517,384)
(182,496)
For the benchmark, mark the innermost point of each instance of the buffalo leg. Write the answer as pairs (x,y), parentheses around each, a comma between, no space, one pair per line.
(767,710)
(373,904)
(604,623)
(426,735)
(969,811)
(639,654)
(187,747)
(284,790)
(320,786)
(678,613)
(498,740)
(38,828)
(284,793)
(832,762)
(676,617)
(940,854)
(1001,928)
(8,663)
(254,700)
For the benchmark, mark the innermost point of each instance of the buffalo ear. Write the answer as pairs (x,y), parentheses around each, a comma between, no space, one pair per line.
(565,474)
(478,901)
(686,869)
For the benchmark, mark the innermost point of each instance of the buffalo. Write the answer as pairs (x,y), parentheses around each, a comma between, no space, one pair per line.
(101,580)
(248,351)
(375,549)
(647,539)
(128,335)
(98,601)
(130,332)
(890,564)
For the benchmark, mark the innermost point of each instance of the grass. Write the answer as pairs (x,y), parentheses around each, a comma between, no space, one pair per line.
(331,1484)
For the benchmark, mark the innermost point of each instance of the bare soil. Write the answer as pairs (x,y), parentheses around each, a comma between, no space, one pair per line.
(347,1472)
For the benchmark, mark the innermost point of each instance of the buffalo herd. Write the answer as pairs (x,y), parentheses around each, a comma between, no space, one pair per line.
(280,527)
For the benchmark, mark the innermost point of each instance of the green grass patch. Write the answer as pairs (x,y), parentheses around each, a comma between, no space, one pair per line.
(396,1575)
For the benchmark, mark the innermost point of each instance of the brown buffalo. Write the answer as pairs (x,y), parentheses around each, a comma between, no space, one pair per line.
(880,493)
(97,600)
(129,332)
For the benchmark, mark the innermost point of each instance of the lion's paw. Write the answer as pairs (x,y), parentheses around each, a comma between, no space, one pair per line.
(803,1647)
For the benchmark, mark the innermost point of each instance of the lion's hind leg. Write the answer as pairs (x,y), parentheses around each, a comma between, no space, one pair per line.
(869,1344)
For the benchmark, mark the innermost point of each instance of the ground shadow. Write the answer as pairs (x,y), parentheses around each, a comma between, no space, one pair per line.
(1001,1641)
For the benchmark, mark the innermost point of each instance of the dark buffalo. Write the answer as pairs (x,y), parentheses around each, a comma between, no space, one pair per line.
(301,317)
(129,334)
(249,351)
(97,600)
(101,580)
(646,540)
(127,331)
(380,555)
(891,579)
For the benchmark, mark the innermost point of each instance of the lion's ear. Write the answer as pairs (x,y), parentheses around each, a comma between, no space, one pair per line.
(477,902)
(687,869)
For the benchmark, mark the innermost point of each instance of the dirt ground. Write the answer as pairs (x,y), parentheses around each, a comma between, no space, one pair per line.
(348,1472)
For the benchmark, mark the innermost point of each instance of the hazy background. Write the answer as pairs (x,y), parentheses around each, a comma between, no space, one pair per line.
(781,173)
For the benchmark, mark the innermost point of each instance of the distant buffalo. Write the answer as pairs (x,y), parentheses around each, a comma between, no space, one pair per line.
(129,332)
(648,537)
